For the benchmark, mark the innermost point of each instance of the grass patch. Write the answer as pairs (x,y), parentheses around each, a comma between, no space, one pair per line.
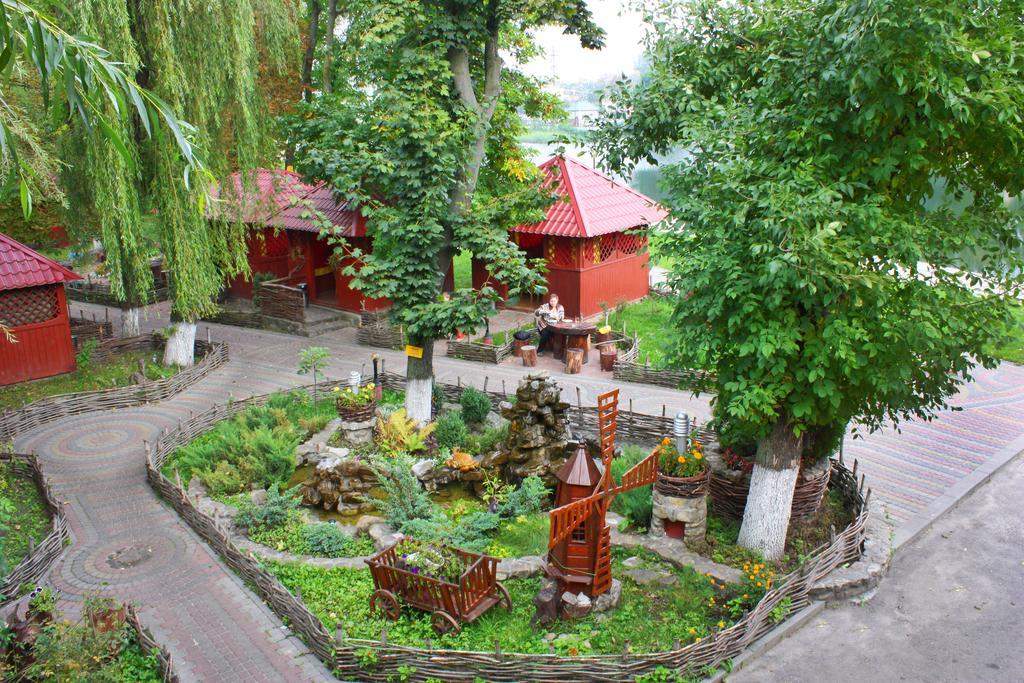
(649,616)
(23,515)
(292,537)
(525,535)
(462,268)
(636,504)
(113,372)
(1013,349)
(650,319)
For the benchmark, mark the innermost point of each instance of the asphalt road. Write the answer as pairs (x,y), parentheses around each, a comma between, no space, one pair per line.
(950,610)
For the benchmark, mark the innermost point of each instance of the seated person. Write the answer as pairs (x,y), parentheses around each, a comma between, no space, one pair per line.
(547,315)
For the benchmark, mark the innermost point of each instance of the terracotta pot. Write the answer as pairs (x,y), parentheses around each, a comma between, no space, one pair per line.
(356,413)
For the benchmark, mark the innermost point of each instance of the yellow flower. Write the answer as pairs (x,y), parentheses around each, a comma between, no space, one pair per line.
(666,441)
(697,455)
(337,388)
(721,624)
(332,615)
(370,385)
(745,595)
(692,631)
(681,460)
(759,584)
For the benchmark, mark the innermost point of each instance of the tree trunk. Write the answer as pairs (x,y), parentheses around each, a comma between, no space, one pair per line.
(419,383)
(130,321)
(769,503)
(307,59)
(332,19)
(180,348)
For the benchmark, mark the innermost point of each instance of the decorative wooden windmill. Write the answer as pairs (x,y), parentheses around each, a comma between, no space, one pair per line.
(579,544)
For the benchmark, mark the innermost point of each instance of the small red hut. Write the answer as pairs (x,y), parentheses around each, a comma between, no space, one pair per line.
(285,239)
(588,239)
(33,307)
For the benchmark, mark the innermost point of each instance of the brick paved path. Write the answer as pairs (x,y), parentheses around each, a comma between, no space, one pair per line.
(127,543)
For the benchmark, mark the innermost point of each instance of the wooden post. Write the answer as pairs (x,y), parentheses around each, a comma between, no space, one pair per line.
(529,356)
(339,633)
(384,635)
(573,361)
(503,392)
(485,383)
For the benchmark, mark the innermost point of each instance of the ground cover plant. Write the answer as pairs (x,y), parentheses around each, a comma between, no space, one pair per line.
(634,505)
(650,320)
(256,446)
(90,375)
(23,516)
(651,617)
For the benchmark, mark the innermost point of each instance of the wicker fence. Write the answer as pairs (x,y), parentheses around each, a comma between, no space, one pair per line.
(281,301)
(43,554)
(96,292)
(375,329)
(40,412)
(348,657)
(150,647)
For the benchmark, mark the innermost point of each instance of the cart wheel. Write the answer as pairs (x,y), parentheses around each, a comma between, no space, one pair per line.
(503,597)
(385,602)
(444,623)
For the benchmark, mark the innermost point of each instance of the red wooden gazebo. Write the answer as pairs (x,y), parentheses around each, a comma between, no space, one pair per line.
(34,308)
(285,240)
(591,239)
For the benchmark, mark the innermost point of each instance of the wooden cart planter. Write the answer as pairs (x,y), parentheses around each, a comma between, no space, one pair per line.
(449,603)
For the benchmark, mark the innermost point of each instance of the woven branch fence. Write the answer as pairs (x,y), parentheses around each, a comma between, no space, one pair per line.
(34,566)
(375,329)
(281,301)
(150,646)
(347,657)
(214,354)
(100,293)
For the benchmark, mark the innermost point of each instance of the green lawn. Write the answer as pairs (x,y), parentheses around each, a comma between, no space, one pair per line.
(23,515)
(1013,350)
(649,616)
(114,372)
(463,267)
(648,318)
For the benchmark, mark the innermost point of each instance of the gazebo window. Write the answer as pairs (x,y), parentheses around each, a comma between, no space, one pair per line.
(631,244)
(561,252)
(608,247)
(28,306)
(275,245)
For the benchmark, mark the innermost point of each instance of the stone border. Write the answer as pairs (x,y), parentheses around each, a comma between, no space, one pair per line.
(866,573)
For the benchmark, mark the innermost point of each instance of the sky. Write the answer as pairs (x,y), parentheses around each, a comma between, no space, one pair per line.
(566,62)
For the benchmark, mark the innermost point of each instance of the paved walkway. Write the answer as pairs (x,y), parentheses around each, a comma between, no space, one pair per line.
(127,543)
(951,608)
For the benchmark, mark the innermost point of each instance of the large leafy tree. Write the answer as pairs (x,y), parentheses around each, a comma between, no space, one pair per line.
(419,132)
(820,290)
(205,61)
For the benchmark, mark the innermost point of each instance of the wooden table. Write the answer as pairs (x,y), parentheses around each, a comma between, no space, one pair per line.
(573,336)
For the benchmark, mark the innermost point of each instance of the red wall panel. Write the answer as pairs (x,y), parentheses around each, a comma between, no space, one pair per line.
(42,349)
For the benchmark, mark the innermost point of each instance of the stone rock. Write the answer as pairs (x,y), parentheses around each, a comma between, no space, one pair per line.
(495,421)
(546,604)
(632,562)
(650,577)
(575,606)
(196,488)
(520,568)
(693,512)
(356,433)
(258,496)
(610,598)
(539,437)
(366,521)
(316,447)
(340,483)
(422,469)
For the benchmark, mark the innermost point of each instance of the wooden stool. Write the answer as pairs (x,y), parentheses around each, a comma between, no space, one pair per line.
(573,360)
(517,346)
(529,352)
(608,356)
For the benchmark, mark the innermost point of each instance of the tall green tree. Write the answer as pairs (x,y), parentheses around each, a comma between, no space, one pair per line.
(419,132)
(204,61)
(821,291)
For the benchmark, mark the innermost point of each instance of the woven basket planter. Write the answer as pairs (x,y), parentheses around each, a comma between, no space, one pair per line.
(682,487)
(728,490)
(356,413)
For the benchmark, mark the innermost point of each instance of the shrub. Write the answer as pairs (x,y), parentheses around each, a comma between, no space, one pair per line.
(635,505)
(83,358)
(450,431)
(473,531)
(525,500)
(274,512)
(404,499)
(475,405)
(327,540)
(488,440)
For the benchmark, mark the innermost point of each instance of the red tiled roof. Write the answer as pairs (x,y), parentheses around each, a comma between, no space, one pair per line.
(590,203)
(22,267)
(274,203)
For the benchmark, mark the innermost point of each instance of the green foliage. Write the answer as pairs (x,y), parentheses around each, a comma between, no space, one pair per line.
(397,433)
(635,505)
(820,291)
(526,499)
(313,360)
(649,319)
(273,512)
(520,536)
(256,446)
(23,516)
(650,617)
(328,540)
(475,405)
(486,441)
(83,359)
(451,431)
(114,371)
(404,499)
(1012,349)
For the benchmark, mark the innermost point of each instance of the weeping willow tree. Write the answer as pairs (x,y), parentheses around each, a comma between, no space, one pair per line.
(203,60)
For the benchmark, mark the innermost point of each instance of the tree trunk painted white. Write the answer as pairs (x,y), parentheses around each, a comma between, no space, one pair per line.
(770,501)
(130,322)
(180,348)
(419,384)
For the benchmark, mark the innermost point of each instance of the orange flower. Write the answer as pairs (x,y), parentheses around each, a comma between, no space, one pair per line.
(666,441)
